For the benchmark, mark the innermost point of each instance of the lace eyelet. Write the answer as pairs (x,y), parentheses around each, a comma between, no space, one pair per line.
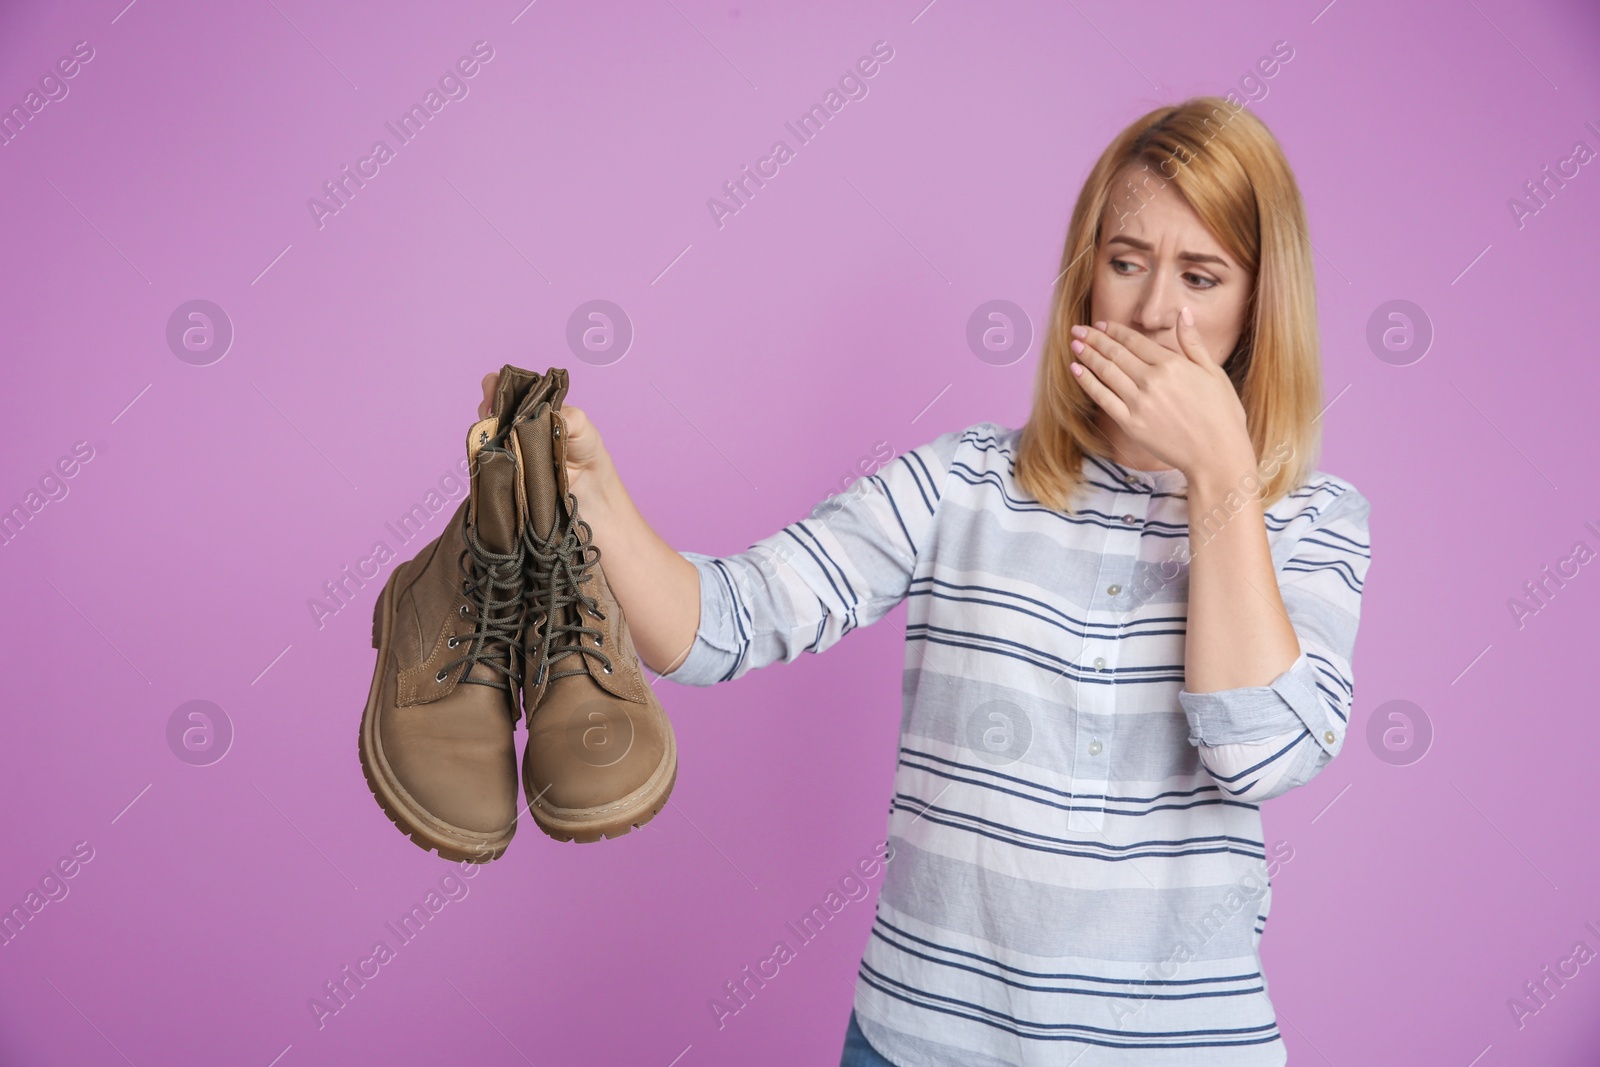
(453,642)
(599,640)
(439,677)
(463,611)
(607,669)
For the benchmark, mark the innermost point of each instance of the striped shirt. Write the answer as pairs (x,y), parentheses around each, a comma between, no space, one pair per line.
(1077,864)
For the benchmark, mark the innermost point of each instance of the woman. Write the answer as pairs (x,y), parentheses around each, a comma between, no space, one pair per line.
(1130,622)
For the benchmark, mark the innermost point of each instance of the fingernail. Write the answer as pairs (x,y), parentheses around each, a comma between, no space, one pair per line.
(1101,326)
(1187,316)
(1077,370)
(1077,346)
(1080,331)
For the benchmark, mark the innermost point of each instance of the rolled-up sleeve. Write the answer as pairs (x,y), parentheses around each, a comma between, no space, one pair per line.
(713,645)
(846,564)
(1259,742)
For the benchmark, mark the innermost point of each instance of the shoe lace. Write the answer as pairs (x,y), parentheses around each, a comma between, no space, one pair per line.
(567,556)
(493,584)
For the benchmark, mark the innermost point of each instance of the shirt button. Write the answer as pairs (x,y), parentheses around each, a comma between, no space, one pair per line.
(1099,663)
(1113,589)
(1129,519)
(1094,748)
(1130,479)
(1329,737)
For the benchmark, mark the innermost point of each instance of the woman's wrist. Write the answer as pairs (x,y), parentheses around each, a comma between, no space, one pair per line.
(598,488)
(1223,471)
(1217,481)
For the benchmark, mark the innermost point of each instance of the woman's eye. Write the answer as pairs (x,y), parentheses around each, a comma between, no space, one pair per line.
(1117,263)
(1200,278)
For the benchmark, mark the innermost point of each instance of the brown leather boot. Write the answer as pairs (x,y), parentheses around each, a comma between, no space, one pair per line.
(438,738)
(601,758)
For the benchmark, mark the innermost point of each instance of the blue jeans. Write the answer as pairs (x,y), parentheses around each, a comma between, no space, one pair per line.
(857,1053)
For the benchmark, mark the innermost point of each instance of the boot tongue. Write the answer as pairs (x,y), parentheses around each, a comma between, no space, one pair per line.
(510,392)
(494,490)
(538,452)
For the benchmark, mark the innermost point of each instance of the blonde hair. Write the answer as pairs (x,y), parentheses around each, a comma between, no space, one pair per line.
(1229,169)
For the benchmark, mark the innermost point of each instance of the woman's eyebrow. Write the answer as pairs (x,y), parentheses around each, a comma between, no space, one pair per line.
(1190,257)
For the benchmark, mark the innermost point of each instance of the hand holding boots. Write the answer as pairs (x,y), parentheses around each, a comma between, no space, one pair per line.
(585,448)
(508,611)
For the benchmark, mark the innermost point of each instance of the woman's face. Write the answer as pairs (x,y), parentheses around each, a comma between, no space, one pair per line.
(1155,257)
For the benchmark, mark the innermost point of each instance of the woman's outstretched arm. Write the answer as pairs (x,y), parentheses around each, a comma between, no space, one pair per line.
(699,619)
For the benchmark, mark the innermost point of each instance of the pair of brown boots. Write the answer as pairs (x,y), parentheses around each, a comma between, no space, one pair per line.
(508,612)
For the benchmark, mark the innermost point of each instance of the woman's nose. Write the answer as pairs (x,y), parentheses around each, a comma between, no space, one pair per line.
(1157,310)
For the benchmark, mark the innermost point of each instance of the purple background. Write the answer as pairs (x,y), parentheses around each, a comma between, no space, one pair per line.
(828,315)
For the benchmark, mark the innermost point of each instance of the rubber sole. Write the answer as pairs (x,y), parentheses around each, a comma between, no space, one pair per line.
(425,830)
(588,825)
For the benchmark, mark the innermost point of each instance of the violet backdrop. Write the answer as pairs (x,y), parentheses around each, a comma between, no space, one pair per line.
(772,350)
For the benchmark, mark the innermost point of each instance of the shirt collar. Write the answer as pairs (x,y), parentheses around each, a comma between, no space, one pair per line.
(1171,480)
